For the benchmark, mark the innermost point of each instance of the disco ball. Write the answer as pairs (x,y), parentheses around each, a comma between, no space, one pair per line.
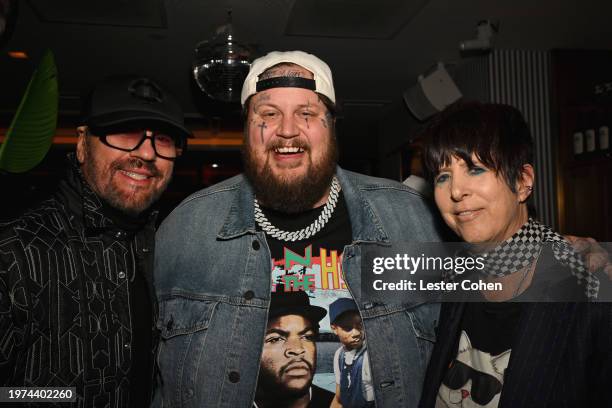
(221,65)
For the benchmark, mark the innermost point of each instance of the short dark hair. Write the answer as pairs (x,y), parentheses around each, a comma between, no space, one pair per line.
(496,134)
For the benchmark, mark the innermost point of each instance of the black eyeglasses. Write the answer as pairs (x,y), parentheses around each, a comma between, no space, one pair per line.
(165,146)
(484,386)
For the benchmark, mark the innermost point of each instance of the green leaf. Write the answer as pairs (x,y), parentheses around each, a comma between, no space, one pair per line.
(30,135)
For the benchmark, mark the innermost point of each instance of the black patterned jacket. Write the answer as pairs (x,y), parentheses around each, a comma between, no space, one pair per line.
(65,314)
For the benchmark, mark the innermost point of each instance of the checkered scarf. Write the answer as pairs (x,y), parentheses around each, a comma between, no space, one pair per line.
(523,248)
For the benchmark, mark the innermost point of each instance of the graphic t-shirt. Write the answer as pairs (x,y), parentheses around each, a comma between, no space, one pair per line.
(314,265)
(475,377)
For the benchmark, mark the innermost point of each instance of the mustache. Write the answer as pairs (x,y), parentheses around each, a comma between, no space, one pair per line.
(136,163)
(292,362)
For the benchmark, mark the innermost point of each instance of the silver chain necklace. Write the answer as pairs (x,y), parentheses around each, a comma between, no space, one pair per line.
(306,232)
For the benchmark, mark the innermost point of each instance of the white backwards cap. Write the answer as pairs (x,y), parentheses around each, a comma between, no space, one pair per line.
(322,82)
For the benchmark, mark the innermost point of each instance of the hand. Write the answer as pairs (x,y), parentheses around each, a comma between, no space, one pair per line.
(595,256)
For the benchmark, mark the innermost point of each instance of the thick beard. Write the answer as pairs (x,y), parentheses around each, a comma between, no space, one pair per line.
(296,195)
(103,186)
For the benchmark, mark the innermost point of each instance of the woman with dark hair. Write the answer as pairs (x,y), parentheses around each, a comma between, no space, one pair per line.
(497,353)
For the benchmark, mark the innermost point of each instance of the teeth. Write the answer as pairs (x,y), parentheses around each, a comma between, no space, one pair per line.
(135,176)
(288,150)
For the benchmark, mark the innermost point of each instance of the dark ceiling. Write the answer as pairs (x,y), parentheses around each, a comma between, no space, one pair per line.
(376,49)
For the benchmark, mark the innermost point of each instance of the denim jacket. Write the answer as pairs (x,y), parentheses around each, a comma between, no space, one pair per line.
(212,272)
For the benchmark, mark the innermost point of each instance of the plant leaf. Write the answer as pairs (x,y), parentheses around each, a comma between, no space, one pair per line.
(29,137)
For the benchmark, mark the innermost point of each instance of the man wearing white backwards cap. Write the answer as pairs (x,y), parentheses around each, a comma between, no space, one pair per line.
(293,221)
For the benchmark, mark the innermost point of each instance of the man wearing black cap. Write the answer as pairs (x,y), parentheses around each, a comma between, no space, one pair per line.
(77,305)
(289,357)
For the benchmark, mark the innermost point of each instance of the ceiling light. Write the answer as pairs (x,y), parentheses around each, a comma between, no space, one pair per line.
(214,165)
(18,54)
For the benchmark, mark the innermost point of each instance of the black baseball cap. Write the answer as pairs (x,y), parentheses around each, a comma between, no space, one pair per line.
(295,302)
(126,101)
(340,306)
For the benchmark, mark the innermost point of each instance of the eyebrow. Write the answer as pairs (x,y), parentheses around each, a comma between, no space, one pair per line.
(286,333)
(308,105)
(300,106)
(264,102)
(278,331)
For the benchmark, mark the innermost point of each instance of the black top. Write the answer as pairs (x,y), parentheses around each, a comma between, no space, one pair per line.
(320,398)
(491,325)
(308,257)
(77,306)
(141,307)
(561,353)
(333,236)
(482,353)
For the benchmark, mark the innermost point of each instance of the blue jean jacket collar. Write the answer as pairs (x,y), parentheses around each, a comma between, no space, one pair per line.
(240,219)
(365,224)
